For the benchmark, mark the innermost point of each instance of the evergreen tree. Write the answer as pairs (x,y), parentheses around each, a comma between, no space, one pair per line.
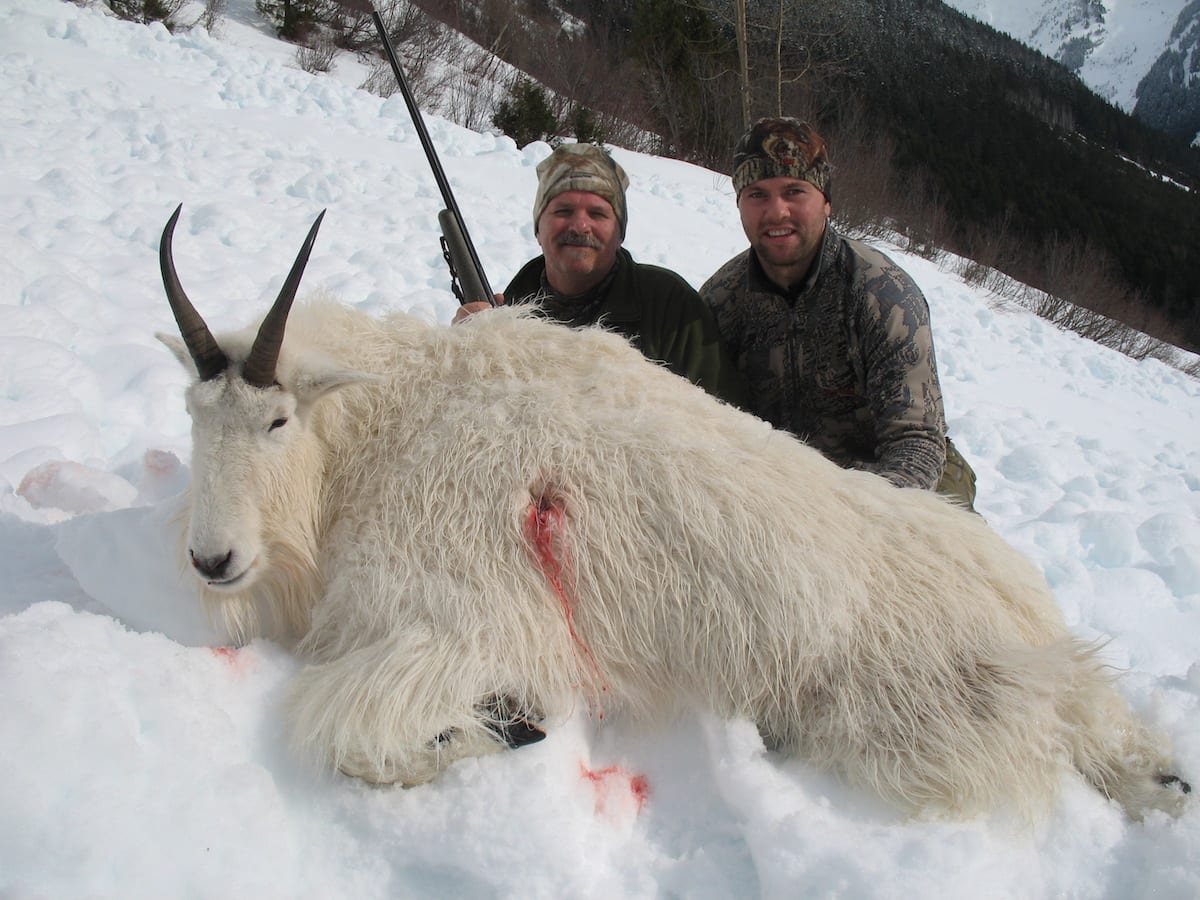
(294,20)
(147,11)
(525,115)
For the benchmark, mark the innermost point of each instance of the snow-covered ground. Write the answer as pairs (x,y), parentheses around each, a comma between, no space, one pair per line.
(140,759)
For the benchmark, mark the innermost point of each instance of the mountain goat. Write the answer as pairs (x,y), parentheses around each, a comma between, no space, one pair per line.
(453,524)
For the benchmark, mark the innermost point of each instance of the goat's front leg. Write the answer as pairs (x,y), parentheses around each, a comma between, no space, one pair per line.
(398,710)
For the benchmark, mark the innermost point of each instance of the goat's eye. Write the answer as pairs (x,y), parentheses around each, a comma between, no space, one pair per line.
(278,423)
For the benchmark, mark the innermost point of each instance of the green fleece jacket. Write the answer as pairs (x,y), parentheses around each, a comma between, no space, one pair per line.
(659,312)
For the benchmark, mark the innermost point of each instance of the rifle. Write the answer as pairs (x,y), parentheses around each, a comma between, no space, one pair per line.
(467,278)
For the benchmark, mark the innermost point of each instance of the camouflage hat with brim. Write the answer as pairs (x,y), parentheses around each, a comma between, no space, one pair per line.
(781,147)
(580,167)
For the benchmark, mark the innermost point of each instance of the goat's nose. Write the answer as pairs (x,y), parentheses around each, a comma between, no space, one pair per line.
(211,567)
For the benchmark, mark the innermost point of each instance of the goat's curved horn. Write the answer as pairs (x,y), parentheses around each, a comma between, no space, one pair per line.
(259,369)
(210,360)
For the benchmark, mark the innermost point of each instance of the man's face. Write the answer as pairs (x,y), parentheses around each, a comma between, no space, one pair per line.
(784,219)
(579,235)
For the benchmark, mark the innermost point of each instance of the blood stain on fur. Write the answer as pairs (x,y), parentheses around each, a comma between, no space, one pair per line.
(549,537)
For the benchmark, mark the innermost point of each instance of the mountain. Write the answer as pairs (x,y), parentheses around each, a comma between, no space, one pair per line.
(962,136)
(1141,55)
(1169,95)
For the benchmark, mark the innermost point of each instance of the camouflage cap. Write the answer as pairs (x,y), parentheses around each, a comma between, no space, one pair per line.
(781,147)
(581,167)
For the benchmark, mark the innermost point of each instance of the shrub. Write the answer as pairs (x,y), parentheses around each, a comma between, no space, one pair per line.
(524,114)
(317,56)
(147,11)
(586,128)
(214,12)
(293,20)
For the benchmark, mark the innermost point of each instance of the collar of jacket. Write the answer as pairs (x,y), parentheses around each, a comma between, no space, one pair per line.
(757,280)
(614,295)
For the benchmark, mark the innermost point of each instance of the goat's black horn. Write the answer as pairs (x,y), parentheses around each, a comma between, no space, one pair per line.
(259,369)
(210,360)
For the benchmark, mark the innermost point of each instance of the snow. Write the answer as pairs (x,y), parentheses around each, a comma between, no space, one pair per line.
(141,759)
(1126,37)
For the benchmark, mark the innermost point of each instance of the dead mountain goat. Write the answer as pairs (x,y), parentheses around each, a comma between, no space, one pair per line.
(437,517)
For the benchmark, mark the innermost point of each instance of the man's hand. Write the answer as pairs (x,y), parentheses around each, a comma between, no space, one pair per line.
(469,309)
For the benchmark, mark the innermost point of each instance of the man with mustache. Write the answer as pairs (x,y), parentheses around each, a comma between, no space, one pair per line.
(584,276)
(832,337)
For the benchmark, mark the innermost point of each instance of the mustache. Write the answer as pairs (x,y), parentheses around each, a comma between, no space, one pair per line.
(575,239)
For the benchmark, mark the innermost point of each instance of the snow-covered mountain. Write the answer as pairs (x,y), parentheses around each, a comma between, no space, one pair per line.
(1141,55)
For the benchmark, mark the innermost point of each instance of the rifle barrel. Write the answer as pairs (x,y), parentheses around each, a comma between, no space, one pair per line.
(435,164)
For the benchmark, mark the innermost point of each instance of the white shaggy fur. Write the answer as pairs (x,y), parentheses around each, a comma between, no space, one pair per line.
(705,558)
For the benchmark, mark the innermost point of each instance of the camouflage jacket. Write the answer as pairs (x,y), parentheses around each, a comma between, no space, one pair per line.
(654,308)
(845,362)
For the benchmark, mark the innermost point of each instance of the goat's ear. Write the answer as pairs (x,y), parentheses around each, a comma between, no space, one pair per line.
(175,344)
(314,383)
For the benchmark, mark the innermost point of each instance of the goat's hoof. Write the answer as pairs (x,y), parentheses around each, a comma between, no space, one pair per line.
(506,720)
(1174,780)
(517,733)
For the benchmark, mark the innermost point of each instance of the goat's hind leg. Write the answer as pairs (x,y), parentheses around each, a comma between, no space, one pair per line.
(398,710)
(1117,753)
